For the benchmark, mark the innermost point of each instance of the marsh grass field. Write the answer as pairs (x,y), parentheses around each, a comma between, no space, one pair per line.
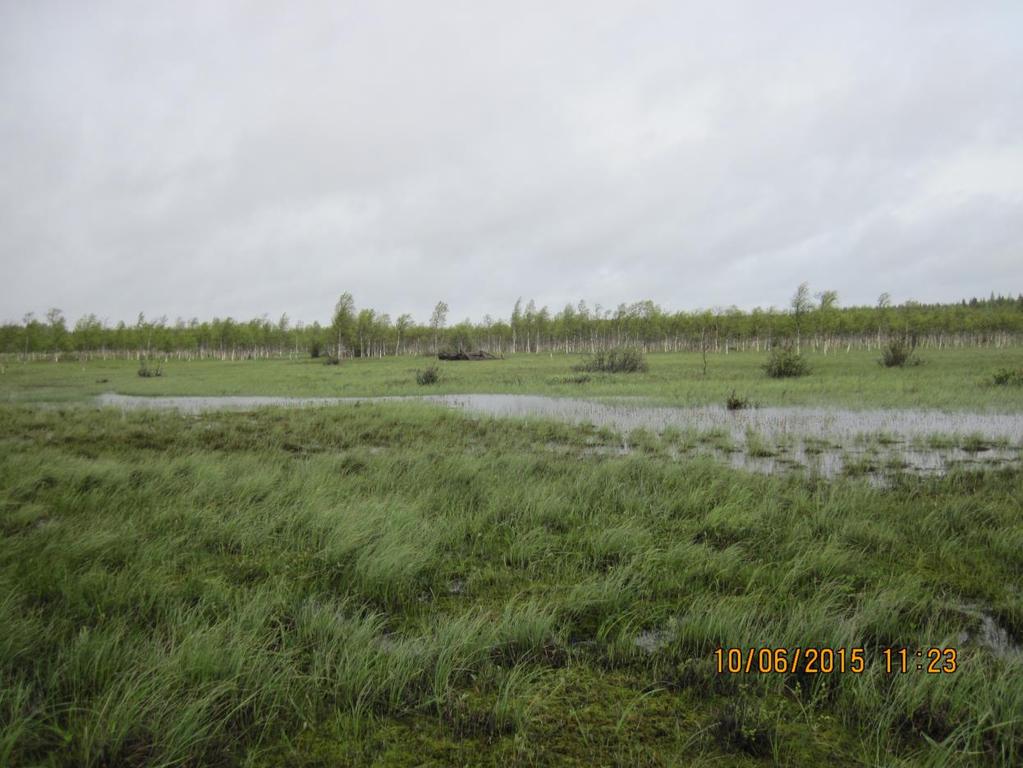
(402,584)
(954,379)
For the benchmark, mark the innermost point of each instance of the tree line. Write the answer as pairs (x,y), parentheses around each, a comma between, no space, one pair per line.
(811,321)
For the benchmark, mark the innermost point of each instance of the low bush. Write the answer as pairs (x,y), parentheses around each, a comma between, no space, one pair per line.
(428,376)
(1008,377)
(742,726)
(617,360)
(736,403)
(785,362)
(147,371)
(898,354)
(578,378)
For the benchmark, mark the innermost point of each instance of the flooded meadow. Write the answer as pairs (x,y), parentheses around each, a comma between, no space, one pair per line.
(827,441)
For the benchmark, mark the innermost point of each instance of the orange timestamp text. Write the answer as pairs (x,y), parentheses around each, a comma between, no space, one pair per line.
(826,661)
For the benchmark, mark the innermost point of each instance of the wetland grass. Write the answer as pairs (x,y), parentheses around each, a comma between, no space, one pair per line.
(275,587)
(954,380)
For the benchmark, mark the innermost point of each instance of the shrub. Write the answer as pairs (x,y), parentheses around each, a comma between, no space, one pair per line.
(331,360)
(429,376)
(617,360)
(785,362)
(582,378)
(315,349)
(147,372)
(736,403)
(743,726)
(898,354)
(1008,377)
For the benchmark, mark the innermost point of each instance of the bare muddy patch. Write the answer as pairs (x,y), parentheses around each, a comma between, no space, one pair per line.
(652,641)
(987,633)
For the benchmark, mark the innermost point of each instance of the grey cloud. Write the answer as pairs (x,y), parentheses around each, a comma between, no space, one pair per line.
(235,158)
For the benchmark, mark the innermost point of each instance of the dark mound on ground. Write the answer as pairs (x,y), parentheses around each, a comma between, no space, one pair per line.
(449,354)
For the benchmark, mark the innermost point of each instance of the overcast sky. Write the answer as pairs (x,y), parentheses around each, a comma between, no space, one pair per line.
(220,158)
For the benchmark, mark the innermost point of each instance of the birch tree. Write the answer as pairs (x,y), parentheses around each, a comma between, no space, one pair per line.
(825,312)
(342,325)
(801,305)
(400,328)
(438,320)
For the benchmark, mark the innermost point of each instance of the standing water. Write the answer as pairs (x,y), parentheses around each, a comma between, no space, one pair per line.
(771,439)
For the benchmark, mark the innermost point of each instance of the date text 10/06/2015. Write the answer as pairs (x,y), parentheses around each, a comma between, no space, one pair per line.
(826,661)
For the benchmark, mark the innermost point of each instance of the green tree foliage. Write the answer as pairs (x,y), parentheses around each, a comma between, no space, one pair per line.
(438,320)
(823,326)
(57,331)
(401,329)
(342,324)
(801,306)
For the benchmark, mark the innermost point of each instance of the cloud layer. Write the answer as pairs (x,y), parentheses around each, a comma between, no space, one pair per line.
(201,159)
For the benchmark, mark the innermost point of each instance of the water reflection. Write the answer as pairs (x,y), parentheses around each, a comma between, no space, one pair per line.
(826,441)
